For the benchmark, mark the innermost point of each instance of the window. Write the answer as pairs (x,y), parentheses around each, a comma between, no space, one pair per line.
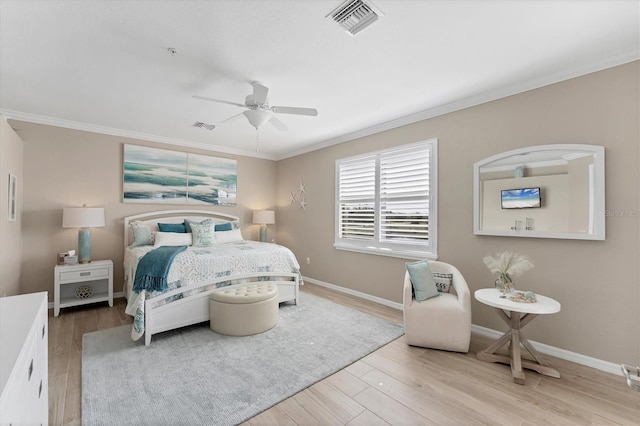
(386,201)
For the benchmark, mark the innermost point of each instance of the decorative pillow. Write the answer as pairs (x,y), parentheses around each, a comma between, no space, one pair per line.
(227,226)
(203,234)
(172,227)
(229,236)
(172,239)
(143,234)
(189,222)
(424,286)
(443,281)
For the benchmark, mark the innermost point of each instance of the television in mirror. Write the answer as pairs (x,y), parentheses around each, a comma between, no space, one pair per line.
(521,198)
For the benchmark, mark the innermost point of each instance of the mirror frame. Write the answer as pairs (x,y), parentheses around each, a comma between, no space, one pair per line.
(598,202)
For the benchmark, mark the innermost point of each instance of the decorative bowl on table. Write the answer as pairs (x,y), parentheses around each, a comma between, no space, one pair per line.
(84,292)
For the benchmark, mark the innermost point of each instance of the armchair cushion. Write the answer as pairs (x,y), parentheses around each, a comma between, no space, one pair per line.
(424,286)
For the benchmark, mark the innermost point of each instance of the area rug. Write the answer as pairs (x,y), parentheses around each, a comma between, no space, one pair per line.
(195,376)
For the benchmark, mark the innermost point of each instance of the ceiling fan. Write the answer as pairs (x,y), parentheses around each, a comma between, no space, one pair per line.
(258,109)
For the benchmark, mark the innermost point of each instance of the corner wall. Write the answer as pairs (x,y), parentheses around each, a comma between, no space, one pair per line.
(11,151)
(597,282)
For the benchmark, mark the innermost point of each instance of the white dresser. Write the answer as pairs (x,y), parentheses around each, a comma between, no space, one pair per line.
(23,360)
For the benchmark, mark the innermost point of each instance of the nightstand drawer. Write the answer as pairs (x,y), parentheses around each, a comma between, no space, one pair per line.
(84,275)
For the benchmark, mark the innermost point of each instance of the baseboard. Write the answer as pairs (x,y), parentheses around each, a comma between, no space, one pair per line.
(115,296)
(355,293)
(598,364)
(588,361)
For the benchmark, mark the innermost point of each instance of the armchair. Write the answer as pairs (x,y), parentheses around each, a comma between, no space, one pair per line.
(442,322)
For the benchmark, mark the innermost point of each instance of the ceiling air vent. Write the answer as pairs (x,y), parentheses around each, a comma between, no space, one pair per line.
(204,125)
(355,15)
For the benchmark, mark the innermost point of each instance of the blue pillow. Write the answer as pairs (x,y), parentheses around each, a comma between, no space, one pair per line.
(172,227)
(224,227)
(424,286)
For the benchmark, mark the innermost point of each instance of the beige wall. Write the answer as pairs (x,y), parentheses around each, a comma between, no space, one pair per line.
(597,282)
(67,168)
(10,232)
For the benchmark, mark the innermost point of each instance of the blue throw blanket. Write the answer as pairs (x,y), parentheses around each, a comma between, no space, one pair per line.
(153,268)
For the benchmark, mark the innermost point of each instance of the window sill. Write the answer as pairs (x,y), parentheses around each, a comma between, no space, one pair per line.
(403,254)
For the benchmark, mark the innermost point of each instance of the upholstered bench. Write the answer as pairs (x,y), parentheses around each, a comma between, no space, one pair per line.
(245,310)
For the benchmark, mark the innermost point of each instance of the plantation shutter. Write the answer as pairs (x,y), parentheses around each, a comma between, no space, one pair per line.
(404,195)
(357,193)
(386,202)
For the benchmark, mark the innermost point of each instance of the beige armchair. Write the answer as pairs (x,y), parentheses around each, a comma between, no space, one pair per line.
(442,322)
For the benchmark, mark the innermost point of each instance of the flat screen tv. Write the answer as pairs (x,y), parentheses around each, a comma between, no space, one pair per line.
(521,198)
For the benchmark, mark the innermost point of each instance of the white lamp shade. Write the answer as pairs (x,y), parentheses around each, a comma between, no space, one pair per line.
(82,217)
(264,217)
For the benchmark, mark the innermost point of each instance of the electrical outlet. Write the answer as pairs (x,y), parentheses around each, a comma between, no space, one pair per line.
(308,261)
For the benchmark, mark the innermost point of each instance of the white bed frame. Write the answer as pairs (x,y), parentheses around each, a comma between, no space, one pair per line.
(195,308)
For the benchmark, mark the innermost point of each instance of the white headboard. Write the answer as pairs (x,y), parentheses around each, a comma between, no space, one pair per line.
(172,216)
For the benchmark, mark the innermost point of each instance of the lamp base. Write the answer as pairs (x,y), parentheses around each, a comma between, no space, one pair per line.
(263,233)
(84,245)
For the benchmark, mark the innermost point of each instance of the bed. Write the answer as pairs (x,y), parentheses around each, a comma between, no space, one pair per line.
(198,271)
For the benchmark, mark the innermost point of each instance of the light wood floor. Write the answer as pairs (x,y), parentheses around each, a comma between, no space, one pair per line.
(395,385)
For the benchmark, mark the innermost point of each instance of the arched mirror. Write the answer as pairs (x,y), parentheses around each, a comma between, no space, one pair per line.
(546,191)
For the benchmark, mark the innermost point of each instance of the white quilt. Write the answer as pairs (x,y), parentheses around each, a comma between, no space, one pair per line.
(198,265)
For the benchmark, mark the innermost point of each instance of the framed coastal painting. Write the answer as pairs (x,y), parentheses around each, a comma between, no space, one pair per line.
(161,176)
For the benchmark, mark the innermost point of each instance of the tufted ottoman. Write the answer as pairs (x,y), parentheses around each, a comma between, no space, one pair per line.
(245,310)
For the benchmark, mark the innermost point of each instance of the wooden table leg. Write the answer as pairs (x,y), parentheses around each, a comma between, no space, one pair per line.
(514,338)
(516,360)
(541,366)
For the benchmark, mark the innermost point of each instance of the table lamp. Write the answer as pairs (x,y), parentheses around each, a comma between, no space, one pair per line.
(263,218)
(83,218)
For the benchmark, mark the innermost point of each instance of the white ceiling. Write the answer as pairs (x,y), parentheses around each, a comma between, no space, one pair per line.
(104,65)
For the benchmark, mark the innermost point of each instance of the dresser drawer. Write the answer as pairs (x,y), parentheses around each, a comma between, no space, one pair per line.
(24,398)
(84,275)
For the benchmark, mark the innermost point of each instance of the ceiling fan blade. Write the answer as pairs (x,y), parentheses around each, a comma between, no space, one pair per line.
(260,92)
(204,98)
(294,110)
(231,118)
(278,124)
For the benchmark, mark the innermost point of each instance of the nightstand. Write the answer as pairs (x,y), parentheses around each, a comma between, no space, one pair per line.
(81,284)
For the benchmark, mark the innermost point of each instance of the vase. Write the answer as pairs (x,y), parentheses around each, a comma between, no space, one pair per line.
(504,285)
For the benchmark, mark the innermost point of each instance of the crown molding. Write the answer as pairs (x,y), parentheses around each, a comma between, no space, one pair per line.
(87,127)
(492,95)
(475,100)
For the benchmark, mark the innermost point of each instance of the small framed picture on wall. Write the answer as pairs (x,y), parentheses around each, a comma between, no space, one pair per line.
(13,197)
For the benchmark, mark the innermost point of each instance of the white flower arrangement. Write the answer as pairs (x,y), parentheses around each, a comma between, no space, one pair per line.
(508,264)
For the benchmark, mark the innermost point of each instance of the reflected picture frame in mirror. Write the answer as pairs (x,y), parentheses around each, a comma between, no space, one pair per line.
(567,180)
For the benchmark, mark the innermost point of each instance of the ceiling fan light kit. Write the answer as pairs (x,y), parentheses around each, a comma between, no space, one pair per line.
(257,117)
(258,110)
